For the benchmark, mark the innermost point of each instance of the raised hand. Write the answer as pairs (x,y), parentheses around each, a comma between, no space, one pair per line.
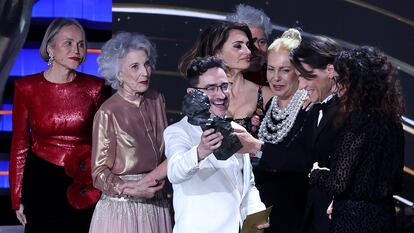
(209,142)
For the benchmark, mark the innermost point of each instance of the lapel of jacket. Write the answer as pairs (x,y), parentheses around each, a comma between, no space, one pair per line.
(326,118)
(246,174)
(230,177)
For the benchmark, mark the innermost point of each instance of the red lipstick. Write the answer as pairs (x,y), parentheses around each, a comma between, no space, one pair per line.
(75,58)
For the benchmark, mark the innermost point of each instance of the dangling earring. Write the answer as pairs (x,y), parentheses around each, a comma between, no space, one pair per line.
(121,83)
(51,59)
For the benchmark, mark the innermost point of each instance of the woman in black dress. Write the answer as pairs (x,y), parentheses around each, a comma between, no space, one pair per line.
(367,164)
(281,175)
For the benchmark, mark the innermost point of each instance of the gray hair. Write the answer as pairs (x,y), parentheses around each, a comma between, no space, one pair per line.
(53,29)
(252,17)
(117,48)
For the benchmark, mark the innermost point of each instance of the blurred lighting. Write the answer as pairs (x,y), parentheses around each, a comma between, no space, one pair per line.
(4,174)
(92,10)
(145,9)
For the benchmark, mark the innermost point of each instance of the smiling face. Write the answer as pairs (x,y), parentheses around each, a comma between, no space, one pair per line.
(135,71)
(68,47)
(235,51)
(219,99)
(281,75)
(319,84)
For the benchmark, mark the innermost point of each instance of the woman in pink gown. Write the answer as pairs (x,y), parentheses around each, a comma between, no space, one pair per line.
(128,144)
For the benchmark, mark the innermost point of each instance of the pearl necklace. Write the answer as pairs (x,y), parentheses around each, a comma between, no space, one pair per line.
(286,118)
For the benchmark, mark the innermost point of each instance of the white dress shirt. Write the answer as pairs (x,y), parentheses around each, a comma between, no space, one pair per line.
(320,111)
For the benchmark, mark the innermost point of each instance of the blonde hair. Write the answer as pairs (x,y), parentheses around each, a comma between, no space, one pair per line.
(289,40)
(53,29)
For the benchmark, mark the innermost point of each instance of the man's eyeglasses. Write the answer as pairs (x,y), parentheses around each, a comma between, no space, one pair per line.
(212,89)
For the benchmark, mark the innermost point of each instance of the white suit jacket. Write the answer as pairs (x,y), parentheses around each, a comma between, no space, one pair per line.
(207,198)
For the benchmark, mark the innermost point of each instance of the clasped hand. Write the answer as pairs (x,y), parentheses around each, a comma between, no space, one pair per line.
(143,188)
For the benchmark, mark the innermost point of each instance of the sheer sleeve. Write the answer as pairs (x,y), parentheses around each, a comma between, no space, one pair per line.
(103,154)
(344,160)
(20,144)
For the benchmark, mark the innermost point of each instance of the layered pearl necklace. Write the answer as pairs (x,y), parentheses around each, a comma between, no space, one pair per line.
(286,118)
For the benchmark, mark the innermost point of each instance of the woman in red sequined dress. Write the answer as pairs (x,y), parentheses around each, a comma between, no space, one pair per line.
(53,113)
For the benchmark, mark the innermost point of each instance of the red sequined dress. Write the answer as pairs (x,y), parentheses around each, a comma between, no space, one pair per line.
(50,152)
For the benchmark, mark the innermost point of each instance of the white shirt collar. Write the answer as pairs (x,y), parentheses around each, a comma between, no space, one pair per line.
(327,99)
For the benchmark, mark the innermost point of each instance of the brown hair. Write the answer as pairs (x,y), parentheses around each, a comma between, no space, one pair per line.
(211,41)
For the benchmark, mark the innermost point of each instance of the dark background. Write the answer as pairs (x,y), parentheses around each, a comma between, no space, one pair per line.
(387,25)
(342,20)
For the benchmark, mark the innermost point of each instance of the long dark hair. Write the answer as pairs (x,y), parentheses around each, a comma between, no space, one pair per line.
(370,83)
(211,41)
(316,51)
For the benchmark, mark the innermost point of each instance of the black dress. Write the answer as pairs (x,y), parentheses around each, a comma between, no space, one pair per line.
(366,170)
(281,178)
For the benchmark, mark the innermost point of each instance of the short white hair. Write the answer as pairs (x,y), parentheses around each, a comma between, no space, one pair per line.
(252,17)
(117,48)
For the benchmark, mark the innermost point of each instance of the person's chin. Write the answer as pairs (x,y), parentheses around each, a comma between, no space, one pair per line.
(72,66)
(315,99)
(277,93)
(139,90)
(219,111)
(142,88)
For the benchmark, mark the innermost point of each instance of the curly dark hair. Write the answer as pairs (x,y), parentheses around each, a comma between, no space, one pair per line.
(370,83)
(211,41)
(200,65)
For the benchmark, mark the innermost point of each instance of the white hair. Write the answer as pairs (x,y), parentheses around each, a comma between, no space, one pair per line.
(252,17)
(117,48)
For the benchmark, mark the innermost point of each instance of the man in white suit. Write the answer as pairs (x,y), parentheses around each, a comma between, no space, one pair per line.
(210,195)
